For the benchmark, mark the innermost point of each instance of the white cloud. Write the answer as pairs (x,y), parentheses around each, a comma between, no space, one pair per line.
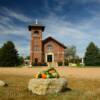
(23,50)
(16,15)
(62,28)
(8,26)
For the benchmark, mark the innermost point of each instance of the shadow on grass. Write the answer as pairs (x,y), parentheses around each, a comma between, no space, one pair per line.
(67,89)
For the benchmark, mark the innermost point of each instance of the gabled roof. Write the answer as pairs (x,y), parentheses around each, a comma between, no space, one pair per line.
(51,38)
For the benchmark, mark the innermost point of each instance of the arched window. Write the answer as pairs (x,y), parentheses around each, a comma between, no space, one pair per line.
(36,33)
(50,47)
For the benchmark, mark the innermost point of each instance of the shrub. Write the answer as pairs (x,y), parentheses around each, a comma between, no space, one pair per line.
(39,64)
(66,63)
(60,63)
(44,64)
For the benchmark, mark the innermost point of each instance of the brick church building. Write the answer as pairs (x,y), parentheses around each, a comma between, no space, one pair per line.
(47,50)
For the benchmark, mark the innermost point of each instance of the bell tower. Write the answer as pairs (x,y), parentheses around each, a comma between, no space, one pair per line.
(36,42)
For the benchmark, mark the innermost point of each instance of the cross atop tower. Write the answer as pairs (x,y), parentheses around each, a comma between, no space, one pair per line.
(36,21)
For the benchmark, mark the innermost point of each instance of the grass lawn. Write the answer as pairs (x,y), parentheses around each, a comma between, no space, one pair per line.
(81,89)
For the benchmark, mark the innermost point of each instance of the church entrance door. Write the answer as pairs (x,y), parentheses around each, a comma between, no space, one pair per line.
(49,58)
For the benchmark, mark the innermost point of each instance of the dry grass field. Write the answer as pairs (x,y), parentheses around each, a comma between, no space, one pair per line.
(83,84)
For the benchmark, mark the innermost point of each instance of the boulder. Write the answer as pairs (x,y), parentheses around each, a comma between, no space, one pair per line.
(2,83)
(47,86)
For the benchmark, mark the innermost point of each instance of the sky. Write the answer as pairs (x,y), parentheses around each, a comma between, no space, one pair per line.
(72,22)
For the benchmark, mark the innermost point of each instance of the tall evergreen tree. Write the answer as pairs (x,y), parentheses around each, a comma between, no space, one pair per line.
(8,55)
(92,55)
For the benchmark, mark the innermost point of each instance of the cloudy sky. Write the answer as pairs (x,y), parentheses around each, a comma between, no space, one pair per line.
(72,22)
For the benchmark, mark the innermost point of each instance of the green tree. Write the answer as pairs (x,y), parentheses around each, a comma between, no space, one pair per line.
(70,53)
(92,55)
(20,60)
(8,55)
(27,57)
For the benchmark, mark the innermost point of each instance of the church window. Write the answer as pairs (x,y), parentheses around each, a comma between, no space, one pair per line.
(36,33)
(50,47)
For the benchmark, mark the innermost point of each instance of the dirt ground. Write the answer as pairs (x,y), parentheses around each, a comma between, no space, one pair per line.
(90,73)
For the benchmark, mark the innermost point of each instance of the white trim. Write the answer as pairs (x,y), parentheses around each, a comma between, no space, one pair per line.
(50,53)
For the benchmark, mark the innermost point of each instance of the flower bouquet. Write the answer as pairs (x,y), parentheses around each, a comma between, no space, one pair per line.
(49,73)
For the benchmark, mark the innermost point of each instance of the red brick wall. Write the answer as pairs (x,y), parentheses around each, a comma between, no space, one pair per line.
(36,46)
(57,49)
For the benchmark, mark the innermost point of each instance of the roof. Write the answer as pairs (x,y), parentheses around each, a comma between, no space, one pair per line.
(51,38)
(36,25)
